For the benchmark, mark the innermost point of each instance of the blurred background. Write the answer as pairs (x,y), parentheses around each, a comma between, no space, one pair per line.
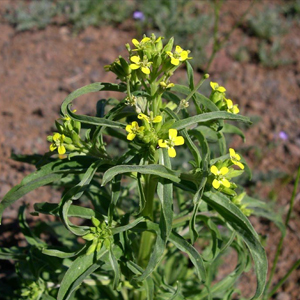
(50,48)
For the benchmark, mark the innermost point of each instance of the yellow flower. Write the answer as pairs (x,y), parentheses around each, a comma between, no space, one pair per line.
(173,140)
(215,86)
(178,56)
(137,63)
(166,85)
(140,45)
(232,108)
(150,119)
(219,177)
(133,130)
(57,142)
(235,158)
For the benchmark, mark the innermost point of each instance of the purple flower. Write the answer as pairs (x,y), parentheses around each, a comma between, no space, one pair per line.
(283,135)
(138,15)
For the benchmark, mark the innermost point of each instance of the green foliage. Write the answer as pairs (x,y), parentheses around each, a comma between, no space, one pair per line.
(80,13)
(267,23)
(182,20)
(144,222)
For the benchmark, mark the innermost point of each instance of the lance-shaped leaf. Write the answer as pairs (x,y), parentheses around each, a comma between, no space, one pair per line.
(229,128)
(81,268)
(193,254)
(233,215)
(201,99)
(157,170)
(91,88)
(45,175)
(211,116)
(94,120)
(165,195)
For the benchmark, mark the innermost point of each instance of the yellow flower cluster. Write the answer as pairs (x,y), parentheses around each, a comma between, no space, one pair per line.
(218,97)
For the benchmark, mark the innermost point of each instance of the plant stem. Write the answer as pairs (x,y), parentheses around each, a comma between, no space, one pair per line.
(281,282)
(147,237)
(278,250)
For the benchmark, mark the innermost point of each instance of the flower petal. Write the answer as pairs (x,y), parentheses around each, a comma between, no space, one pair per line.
(178,49)
(184,55)
(174,61)
(61,149)
(214,170)
(131,136)
(171,152)
(213,85)
(225,182)
(145,39)
(224,170)
(221,89)
(179,140)
(239,164)
(235,109)
(157,119)
(134,66)
(229,103)
(216,184)
(136,59)
(172,134)
(128,128)
(231,152)
(145,70)
(135,42)
(52,147)
(135,125)
(56,136)
(162,144)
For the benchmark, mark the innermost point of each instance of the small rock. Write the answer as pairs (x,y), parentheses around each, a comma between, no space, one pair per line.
(283,296)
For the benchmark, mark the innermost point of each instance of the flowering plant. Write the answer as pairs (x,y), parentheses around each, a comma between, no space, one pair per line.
(164,211)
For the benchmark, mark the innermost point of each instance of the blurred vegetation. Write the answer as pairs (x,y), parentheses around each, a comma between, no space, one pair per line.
(192,23)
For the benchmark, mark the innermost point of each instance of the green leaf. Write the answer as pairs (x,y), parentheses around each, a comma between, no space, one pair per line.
(157,170)
(190,74)
(91,88)
(94,120)
(232,214)
(74,210)
(62,254)
(201,99)
(74,194)
(25,229)
(165,195)
(81,268)
(211,116)
(115,268)
(262,209)
(120,229)
(229,128)
(13,253)
(193,254)
(45,175)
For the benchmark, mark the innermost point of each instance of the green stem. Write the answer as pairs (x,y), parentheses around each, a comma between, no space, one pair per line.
(281,282)
(278,250)
(147,237)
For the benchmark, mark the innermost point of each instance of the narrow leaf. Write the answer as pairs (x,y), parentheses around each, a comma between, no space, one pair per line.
(232,214)
(157,170)
(211,116)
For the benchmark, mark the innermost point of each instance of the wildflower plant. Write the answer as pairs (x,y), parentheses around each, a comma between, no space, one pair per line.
(154,221)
